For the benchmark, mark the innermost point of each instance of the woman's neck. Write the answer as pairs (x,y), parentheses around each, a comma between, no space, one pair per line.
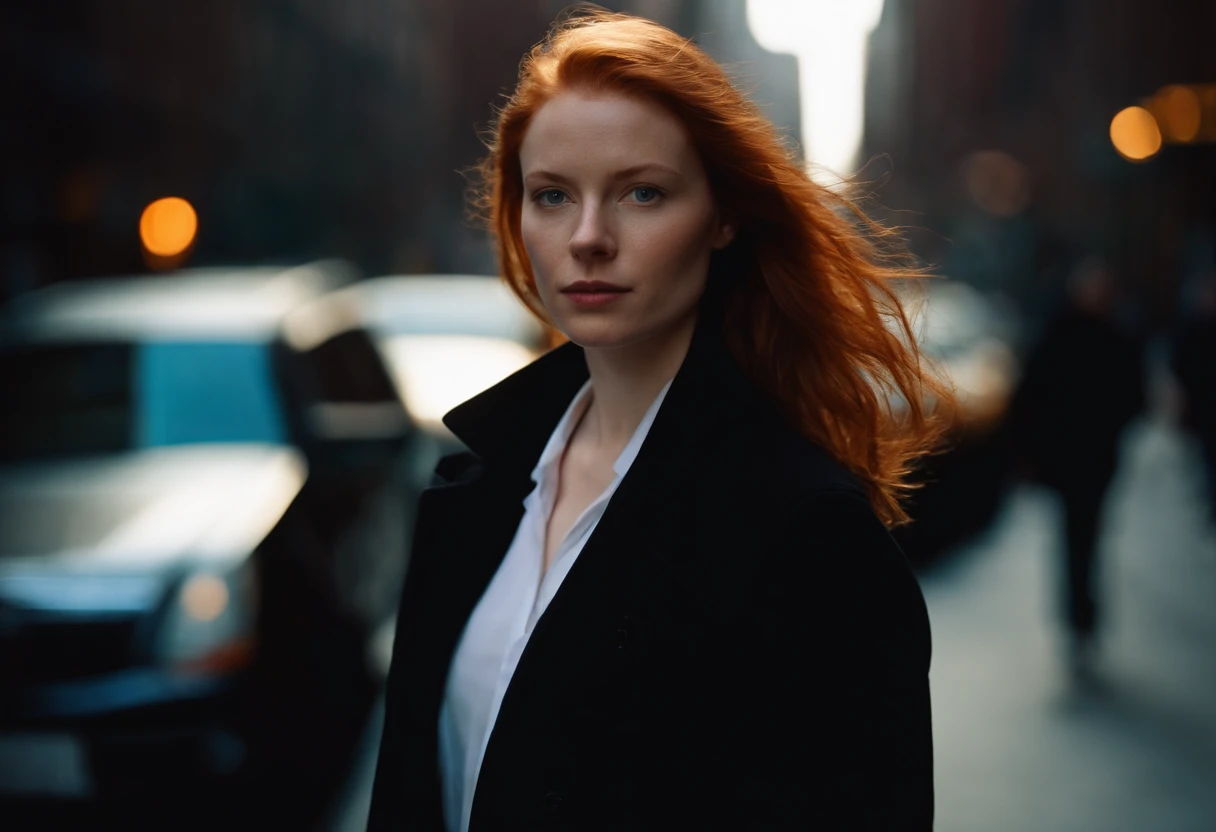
(625,382)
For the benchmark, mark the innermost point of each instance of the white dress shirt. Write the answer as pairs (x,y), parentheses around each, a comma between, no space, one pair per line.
(500,625)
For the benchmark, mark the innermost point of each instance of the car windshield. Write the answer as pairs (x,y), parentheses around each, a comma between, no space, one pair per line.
(88,398)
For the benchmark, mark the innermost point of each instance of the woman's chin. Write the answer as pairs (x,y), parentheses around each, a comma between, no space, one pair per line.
(606,336)
(597,339)
(624,343)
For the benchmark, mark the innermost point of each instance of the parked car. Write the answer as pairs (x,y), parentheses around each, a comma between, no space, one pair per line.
(203,519)
(446,338)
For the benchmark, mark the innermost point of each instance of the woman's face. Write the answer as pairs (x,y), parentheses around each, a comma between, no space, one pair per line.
(618,219)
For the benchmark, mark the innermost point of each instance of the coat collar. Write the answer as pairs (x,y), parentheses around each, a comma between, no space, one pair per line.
(508,425)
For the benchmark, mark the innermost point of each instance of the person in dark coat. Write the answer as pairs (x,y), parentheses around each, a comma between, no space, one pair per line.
(1082,384)
(658,591)
(1193,362)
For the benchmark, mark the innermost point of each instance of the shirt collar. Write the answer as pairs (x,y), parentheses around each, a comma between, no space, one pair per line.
(552,453)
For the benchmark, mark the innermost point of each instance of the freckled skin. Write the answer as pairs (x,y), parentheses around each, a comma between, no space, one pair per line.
(615,191)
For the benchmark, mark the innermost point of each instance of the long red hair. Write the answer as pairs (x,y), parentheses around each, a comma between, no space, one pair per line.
(811,316)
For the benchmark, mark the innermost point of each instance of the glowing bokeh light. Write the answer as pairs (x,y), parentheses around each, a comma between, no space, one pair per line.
(1178,113)
(1135,134)
(205,597)
(998,182)
(167,226)
(1207,106)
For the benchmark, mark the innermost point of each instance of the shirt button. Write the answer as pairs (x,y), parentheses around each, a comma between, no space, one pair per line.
(552,802)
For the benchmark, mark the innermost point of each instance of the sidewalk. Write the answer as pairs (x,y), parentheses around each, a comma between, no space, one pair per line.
(1019,746)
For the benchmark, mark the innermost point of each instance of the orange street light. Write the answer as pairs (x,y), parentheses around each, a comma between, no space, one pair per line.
(1179,113)
(167,226)
(1135,134)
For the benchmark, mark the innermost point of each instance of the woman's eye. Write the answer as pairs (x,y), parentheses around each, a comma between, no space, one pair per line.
(550,197)
(645,193)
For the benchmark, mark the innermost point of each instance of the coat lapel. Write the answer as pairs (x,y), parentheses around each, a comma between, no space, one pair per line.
(468,523)
(507,427)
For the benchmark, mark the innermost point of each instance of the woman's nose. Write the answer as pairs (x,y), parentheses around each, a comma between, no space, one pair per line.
(594,237)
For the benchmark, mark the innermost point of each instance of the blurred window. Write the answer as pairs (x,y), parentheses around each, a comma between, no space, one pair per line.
(76,399)
(65,400)
(434,373)
(206,392)
(348,368)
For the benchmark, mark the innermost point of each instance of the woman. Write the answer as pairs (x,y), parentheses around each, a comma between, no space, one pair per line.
(658,593)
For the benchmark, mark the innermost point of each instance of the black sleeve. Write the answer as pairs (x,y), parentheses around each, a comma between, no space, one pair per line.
(402,794)
(389,807)
(837,732)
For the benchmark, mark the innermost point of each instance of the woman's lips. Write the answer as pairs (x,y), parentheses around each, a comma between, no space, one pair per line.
(593,293)
(594,298)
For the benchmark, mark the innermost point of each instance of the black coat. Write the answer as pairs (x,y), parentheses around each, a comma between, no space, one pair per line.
(740,645)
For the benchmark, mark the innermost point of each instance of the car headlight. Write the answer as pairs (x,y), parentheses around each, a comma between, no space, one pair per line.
(210,624)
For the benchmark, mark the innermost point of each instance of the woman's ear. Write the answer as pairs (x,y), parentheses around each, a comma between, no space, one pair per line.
(723,235)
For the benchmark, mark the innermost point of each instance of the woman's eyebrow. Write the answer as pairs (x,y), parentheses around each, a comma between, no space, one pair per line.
(644,167)
(620,174)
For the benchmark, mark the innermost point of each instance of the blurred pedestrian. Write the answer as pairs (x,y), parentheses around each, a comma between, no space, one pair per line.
(1081,386)
(1194,366)
(659,592)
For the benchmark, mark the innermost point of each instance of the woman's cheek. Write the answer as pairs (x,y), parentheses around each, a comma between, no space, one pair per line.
(537,262)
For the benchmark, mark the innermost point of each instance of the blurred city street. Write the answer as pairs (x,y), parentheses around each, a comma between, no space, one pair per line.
(255,251)
(1022,745)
